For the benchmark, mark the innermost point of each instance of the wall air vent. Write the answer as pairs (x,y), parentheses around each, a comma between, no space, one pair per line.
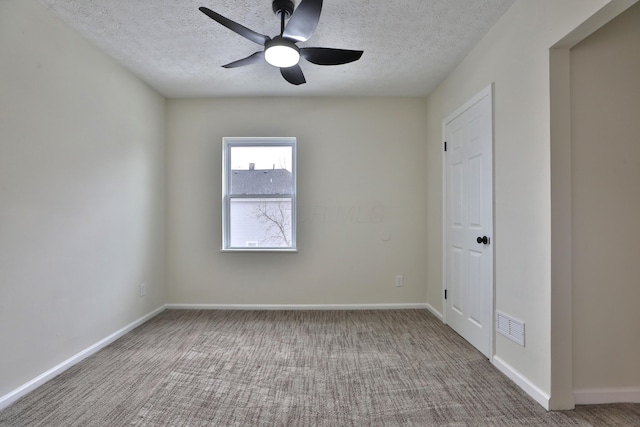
(510,328)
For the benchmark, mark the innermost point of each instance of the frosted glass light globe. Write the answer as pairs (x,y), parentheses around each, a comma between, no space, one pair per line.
(281,53)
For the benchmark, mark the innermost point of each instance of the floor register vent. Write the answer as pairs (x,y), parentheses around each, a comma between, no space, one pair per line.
(510,328)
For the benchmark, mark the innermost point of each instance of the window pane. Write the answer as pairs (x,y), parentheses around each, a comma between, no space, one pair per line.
(260,223)
(261,170)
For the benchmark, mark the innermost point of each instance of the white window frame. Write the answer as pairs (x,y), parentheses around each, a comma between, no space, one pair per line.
(227,144)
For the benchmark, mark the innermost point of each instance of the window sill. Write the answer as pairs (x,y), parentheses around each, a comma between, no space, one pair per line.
(248,250)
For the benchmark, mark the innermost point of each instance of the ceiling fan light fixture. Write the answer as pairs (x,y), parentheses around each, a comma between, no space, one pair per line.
(281,53)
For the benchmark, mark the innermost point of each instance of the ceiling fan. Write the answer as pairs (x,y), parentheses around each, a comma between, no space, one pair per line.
(281,51)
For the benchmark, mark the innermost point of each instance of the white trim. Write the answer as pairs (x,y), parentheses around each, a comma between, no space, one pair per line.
(407,306)
(485,92)
(521,381)
(227,144)
(443,160)
(597,396)
(29,386)
(260,249)
(435,312)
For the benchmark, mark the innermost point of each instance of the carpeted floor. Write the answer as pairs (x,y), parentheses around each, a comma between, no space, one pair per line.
(293,368)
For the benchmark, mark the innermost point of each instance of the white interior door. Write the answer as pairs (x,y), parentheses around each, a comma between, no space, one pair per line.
(469,221)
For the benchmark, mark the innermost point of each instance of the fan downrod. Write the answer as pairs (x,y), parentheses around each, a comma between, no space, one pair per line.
(280,6)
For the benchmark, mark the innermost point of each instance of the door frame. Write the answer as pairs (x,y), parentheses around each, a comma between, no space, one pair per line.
(486,92)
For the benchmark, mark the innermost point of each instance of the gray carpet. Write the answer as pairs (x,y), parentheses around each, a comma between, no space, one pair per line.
(293,368)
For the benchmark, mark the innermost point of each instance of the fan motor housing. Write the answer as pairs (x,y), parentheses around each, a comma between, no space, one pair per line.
(283,6)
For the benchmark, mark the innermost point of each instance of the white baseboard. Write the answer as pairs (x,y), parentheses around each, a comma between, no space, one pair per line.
(296,306)
(523,382)
(435,312)
(16,394)
(607,395)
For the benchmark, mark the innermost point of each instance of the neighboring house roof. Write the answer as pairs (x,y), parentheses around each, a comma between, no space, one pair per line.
(261,181)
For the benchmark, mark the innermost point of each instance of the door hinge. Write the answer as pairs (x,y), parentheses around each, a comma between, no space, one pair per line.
(445,294)
(445,146)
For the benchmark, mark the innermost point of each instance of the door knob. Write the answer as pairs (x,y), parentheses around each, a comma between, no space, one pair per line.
(484,240)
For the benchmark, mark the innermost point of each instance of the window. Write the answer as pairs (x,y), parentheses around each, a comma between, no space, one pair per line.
(259,194)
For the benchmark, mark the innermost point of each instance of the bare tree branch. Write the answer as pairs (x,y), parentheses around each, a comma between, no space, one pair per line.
(277,218)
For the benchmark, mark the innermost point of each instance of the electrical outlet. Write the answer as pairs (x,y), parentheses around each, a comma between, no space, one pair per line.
(143,289)
(399,281)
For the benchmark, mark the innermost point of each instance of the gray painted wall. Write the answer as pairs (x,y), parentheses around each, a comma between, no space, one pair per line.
(605,168)
(361,202)
(81,194)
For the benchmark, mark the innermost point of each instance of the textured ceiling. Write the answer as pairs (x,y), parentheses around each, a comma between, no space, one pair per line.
(409,45)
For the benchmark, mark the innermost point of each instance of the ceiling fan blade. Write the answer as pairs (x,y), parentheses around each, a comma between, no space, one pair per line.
(251,59)
(304,20)
(235,27)
(293,75)
(329,56)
